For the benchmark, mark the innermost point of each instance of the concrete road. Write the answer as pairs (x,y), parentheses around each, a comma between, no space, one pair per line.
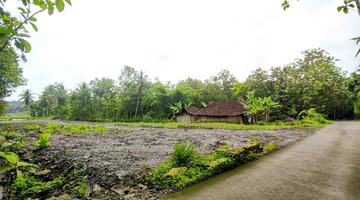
(325,165)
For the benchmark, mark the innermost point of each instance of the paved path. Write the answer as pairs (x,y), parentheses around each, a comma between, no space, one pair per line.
(325,165)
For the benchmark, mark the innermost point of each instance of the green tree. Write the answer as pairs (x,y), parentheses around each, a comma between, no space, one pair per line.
(26,97)
(11,74)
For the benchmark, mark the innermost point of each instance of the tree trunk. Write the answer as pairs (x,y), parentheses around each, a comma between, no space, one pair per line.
(138,101)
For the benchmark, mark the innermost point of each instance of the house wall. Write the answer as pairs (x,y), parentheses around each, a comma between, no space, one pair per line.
(231,120)
(184,118)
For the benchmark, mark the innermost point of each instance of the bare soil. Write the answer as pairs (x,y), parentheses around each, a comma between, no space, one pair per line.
(116,158)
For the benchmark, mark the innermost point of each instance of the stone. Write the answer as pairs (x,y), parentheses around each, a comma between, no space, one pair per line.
(97,188)
(176,171)
(217,162)
(252,146)
(42,173)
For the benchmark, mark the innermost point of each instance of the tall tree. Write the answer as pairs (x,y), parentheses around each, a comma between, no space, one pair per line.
(11,74)
(26,97)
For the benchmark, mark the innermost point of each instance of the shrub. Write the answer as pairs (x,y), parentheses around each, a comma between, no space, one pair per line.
(183,154)
(261,123)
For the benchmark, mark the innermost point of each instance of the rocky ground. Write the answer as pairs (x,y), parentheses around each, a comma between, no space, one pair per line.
(122,153)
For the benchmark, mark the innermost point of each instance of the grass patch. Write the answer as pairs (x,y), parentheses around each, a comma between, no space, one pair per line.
(197,167)
(307,124)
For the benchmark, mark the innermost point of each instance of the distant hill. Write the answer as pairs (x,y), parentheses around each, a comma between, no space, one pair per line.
(14,106)
(18,103)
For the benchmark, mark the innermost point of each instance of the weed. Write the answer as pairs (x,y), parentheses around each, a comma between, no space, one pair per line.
(225,146)
(33,127)
(252,139)
(183,154)
(100,128)
(261,123)
(81,190)
(44,140)
(270,146)
(19,144)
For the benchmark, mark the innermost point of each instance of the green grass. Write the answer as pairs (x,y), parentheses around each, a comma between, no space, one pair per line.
(16,115)
(270,126)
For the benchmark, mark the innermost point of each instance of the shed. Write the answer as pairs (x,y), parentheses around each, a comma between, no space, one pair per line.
(224,112)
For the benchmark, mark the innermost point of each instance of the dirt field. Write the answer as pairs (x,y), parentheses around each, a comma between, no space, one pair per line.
(112,156)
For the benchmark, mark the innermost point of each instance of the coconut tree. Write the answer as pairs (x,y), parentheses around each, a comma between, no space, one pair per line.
(26,97)
(142,83)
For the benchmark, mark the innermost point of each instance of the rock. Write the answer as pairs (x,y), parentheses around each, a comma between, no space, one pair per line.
(42,173)
(217,162)
(176,171)
(253,146)
(97,188)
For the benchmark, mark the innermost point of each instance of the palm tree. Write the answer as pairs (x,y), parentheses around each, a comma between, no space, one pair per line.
(141,84)
(26,97)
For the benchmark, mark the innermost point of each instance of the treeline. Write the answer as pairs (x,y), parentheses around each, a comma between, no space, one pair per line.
(311,82)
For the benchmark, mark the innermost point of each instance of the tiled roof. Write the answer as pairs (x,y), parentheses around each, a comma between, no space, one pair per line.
(223,109)
(192,110)
(219,109)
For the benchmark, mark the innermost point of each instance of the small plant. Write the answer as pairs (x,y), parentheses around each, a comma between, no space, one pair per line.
(33,127)
(44,141)
(225,146)
(252,139)
(19,144)
(183,154)
(53,128)
(68,152)
(270,146)
(277,137)
(100,128)
(81,190)
(261,123)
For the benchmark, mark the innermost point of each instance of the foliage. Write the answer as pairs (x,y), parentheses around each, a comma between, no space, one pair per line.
(269,147)
(252,139)
(314,116)
(44,140)
(33,127)
(357,106)
(28,185)
(183,154)
(199,170)
(81,190)
(11,74)
(13,29)
(311,82)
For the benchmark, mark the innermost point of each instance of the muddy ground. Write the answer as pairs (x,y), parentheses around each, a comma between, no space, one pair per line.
(113,156)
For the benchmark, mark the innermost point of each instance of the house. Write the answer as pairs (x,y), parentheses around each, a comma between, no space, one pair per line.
(224,112)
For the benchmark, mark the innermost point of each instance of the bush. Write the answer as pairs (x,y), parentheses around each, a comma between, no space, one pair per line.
(260,123)
(183,154)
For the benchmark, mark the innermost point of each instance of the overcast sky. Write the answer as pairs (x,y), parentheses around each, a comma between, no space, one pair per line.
(173,40)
